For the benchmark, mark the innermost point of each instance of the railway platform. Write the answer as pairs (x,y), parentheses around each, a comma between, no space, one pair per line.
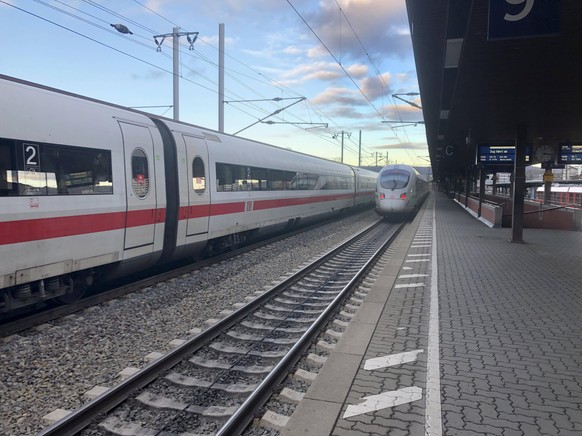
(462,333)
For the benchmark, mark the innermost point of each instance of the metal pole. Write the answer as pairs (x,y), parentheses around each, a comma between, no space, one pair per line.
(482,178)
(360,150)
(342,146)
(176,46)
(221,77)
(518,184)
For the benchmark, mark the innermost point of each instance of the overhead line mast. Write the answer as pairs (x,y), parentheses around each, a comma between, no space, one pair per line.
(176,46)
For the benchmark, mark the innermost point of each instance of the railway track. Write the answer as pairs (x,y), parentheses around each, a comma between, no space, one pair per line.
(216,382)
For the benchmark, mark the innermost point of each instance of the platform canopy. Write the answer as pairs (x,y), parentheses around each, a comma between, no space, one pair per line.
(486,67)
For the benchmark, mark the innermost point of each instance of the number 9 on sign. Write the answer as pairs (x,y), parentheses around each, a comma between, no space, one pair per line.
(527,7)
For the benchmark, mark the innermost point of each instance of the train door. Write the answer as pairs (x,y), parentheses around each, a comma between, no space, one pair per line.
(141,187)
(198,187)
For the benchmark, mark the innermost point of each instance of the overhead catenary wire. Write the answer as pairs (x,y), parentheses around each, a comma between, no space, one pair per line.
(378,73)
(335,59)
(235,74)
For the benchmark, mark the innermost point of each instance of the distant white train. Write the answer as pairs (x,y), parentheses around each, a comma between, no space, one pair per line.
(400,190)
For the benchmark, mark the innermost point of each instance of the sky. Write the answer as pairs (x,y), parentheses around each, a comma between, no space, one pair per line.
(346,58)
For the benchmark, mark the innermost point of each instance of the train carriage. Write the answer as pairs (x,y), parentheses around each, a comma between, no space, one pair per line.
(365,186)
(67,205)
(91,190)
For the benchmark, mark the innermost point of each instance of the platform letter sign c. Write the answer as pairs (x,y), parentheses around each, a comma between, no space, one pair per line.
(524,13)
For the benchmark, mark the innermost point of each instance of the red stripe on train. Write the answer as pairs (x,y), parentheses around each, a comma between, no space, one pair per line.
(284,202)
(13,232)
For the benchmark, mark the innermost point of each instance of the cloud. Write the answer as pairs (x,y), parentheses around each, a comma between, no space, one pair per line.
(403,111)
(149,74)
(293,51)
(357,70)
(337,96)
(376,86)
(381,27)
(406,145)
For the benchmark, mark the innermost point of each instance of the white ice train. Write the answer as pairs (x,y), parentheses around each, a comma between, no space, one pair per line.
(90,190)
(400,190)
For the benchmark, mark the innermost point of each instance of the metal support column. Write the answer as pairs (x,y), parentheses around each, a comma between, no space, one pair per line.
(482,178)
(221,77)
(518,185)
(467,185)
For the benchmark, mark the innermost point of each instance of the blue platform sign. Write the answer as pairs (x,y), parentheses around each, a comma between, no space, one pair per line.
(570,154)
(499,155)
(523,18)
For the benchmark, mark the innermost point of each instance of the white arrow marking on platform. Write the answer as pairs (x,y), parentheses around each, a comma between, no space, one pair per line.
(393,359)
(411,276)
(409,285)
(384,401)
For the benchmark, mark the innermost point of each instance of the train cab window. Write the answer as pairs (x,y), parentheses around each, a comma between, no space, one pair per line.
(140,179)
(198,176)
(394,179)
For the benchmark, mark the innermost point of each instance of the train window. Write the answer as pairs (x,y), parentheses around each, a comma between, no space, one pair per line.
(38,169)
(140,179)
(198,176)
(7,167)
(259,179)
(280,180)
(394,179)
(230,177)
(304,181)
(77,170)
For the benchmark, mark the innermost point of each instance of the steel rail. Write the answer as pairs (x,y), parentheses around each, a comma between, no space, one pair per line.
(246,412)
(85,415)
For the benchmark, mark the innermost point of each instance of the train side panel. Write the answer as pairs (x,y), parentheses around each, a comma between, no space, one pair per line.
(63,189)
(365,186)
(255,185)
(188,193)
(232,188)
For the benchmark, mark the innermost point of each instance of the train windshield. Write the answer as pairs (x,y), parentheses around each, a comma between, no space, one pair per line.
(394,179)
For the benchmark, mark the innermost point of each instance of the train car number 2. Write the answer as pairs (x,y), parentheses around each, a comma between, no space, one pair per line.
(31,157)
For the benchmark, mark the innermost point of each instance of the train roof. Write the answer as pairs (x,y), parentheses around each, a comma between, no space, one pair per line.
(207,132)
(405,167)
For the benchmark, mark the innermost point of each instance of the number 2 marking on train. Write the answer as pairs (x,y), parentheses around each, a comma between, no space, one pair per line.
(524,13)
(31,155)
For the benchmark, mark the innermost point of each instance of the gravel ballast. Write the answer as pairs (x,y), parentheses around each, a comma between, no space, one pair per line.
(52,367)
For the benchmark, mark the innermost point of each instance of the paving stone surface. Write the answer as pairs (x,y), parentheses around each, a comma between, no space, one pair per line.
(510,348)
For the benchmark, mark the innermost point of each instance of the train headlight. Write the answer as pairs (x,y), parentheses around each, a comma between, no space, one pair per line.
(382,196)
(403,196)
